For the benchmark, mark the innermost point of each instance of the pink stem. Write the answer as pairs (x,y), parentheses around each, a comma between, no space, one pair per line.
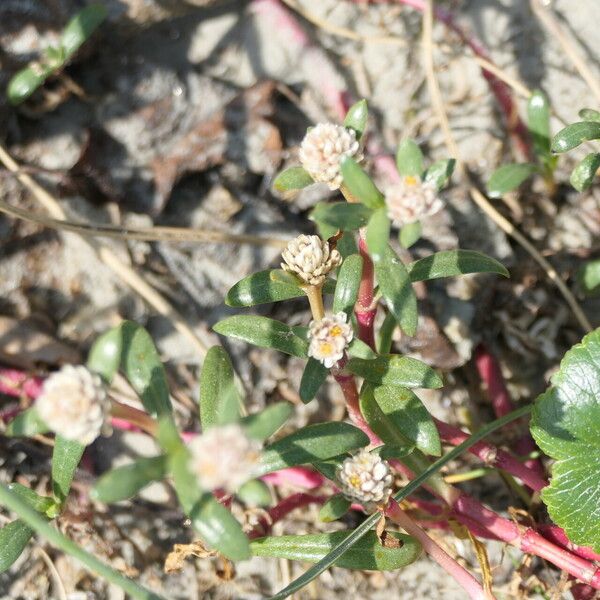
(559,537)
(491,374)
(18,383)
(296,476)
(461,575)
(364,309)
(493,456)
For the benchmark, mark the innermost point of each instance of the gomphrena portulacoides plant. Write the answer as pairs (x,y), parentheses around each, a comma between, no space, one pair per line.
(348,273)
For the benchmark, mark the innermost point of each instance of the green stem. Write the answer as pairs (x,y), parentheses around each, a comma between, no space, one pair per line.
(39,524)
(367,524)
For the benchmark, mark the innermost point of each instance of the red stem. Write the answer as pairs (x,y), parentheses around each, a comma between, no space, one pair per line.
(19,383)
(365,309)
(297,476)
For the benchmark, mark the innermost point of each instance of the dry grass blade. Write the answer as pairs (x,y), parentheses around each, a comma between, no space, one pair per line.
(479,199)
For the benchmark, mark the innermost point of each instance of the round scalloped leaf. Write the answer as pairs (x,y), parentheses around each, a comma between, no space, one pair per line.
(566,425)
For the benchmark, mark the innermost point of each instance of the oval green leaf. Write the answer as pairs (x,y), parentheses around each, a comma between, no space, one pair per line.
(26,424)
(24,83)
(294,178)
(255,493)
(65,459)
(340,215)
(263,332)
(40,503)
(409,158)
(360,185)
(261,288)
(589,114)
(396,370)
(410,234)
(450,263)
(572,135)
(313,377)
(335,508)
(588,277)
(359,349)
(125,482)
(583,174)
(538,121)
(264,424)
(366,553)
(508,178)
(81,27)
(440,172)
(348,282)
(13,539)
(378,234)
(357,117)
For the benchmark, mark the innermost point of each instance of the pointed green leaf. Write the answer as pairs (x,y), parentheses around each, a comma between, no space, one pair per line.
(396,289)
(361,186)
(367,553)
(81,27)
(394,369)
(378,234)
(410,234)
(508,178)
(313,377)
(130,347)
(341,215)
(572,135)
(450,263)
(294,178)
(439,172)
(589,114)
(264,424)
(39,503)
(65,459)
(335,508)
(408,414)
(263,332)
(220,400)
(538,121)
(409,159)
(566,426)
(125,482)
(583,174)
(386,333)
(13,539)
(25,82)
(588,277)
(261,288)
(26,424)
(357,117)
(255,493)
(310,444)
(348,282)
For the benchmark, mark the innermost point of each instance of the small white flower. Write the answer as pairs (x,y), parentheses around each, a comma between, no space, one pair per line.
(224,457)
(411,200)
(367,479)
(74,404)
(323,149)
(328,338)
(310,258)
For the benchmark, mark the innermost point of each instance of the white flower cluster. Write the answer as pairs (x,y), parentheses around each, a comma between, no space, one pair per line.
(367,479)
(310,258)
(74,404)
(323,149)
(329,338)
(224,458)
(411,200)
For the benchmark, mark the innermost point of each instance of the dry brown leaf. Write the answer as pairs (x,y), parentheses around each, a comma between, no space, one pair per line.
(177,556)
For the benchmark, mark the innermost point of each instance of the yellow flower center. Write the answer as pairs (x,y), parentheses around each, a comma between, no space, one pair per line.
(410,180)
(335,331)
(354,481)
(326,348)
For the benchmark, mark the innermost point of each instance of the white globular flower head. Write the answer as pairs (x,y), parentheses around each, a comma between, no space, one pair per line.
(367,479)
(328,338)
(310,258)
(411,199)
(323,149)
(224,458)
(74,404)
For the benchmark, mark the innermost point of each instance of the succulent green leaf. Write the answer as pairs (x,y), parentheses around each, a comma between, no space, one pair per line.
(575,134)
(26,424)
(359,349)
(220,399)
(366,553)
(294,178)
(440,172)
(410,234)
(566,426)
(406,412)
(311,444)
(40,503)
(25,82)
(348,282)
(81,27)
(125,482)
(588,277)
(341,215)
(313,377)
(583,174)
(13,539)
(450,263)
(346,245)
(264,424)
(335,508)
(409,158)
(255,493)
(396,289)
(394,369)
(65,458)
(129,347)
(538,121)
(262,288)
(589,114)
(378,234)
(360,185)
(386,333)
(357,117)
(509,177)
(263,332)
